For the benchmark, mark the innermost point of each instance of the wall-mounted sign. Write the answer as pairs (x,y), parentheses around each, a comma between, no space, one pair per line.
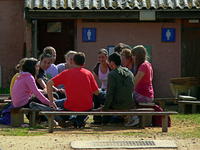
(89,34)
(53,27)
(168,34)
(147,15)
(110,49)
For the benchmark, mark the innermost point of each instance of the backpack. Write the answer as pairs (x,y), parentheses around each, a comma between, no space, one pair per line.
(5,115)
(157,120)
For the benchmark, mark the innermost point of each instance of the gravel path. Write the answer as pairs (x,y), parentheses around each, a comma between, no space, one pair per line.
(61,141)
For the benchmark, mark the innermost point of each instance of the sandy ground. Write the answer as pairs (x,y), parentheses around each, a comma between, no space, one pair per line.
(60,139)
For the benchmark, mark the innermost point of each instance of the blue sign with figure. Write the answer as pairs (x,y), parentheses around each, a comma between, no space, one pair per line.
(168,35)
(89,34)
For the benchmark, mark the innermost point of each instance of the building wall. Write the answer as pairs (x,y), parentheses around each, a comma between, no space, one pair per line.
(11,36)
(166,57)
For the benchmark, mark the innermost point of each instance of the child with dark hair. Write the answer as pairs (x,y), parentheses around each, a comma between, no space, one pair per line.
(42,79)
(119,89)
(44,64)
(120,46)
(80,86)
(25,85)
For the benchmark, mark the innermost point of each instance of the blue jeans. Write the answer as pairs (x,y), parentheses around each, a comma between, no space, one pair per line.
(60,103)
(37,106)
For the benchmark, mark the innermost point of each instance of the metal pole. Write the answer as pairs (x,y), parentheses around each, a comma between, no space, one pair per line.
(34,38)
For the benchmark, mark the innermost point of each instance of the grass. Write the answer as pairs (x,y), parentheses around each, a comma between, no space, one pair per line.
(183,126)
(186,126)
(36,131)
(20,132)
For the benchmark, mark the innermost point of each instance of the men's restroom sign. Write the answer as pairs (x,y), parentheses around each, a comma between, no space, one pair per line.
(168,34)
(89,34)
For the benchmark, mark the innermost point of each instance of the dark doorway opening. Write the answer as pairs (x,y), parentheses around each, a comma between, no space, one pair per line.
(190,61)
(59,34)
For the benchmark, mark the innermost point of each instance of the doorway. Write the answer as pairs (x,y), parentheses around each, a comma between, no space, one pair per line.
(190,53)
(59,34)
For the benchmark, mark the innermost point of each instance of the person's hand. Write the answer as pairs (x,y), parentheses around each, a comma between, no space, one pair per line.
(61,91)
(53,105)
(98,109)
(44,91)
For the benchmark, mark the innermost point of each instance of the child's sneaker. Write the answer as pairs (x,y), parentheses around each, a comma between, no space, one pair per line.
(132,122)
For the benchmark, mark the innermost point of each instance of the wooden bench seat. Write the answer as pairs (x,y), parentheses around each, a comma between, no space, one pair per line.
(17,115)
(51,114)
(182,105)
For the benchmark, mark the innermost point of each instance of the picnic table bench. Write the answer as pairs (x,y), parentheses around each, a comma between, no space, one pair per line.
(182,106)
(17,115)
(51,114)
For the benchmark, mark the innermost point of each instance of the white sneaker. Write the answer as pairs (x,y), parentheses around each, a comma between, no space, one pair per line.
(132,123)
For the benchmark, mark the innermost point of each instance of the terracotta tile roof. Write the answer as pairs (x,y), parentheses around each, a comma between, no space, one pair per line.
(112,4)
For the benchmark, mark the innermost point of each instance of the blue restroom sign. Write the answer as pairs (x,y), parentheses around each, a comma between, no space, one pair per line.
(89,34)
(168,35)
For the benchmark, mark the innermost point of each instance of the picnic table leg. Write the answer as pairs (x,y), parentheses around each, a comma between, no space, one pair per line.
(17,117)
(33,118)
(181,108)
(162,104)
(164,123)
(142,122)
(194,108)
(50,122)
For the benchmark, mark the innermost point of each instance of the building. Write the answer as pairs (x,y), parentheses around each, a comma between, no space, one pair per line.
(169,29)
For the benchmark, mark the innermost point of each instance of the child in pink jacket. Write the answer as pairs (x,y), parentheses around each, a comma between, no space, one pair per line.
(25,87)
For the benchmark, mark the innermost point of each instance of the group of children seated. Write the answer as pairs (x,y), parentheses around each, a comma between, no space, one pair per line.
(124,77)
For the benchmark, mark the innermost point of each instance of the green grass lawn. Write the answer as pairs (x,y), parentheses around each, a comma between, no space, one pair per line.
(183,126)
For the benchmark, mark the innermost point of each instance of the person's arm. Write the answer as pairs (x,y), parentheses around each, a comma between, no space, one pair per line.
(138,77)
(110,92)
(41,82)
(33,88)
(96,92)
(50,84)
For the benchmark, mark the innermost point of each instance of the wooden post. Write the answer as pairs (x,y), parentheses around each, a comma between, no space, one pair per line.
(181,108)
(162,104)
(50,121)
(32,118)
(164,123)
(142,122)
(194,108)
(34,38)
(17,117)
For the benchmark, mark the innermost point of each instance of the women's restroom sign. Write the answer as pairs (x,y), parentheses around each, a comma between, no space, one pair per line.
(89,34)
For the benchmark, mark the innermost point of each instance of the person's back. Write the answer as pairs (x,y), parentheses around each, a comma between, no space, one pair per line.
(120,86)
(79,84)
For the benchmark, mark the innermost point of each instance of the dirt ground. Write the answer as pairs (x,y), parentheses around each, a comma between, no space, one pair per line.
(61,138)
